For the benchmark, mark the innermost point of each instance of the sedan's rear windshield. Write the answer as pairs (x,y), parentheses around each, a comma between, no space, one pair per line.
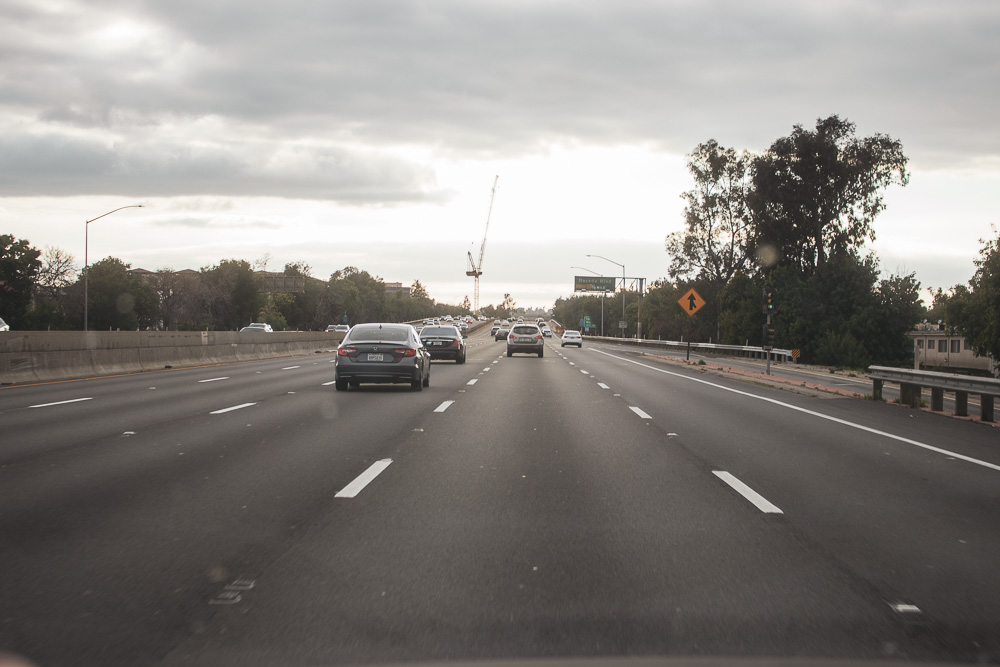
(392,334)
(439,331)
(526,330)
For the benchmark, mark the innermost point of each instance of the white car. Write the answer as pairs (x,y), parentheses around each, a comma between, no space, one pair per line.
(3,325)
(258,326)
(571,337)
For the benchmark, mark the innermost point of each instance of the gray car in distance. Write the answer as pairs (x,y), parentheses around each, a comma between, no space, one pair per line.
(525,338)
(382,353)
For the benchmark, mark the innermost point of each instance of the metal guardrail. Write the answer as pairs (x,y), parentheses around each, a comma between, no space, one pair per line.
(704,348)
(911,383)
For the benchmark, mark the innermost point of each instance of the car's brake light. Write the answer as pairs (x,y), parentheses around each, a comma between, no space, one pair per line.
(456,342)
(404,352)
(538,336)
(347,351)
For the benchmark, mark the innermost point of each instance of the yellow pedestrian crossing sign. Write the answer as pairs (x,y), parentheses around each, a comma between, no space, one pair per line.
(691,302)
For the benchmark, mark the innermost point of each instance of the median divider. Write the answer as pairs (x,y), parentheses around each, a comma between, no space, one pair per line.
(38,356)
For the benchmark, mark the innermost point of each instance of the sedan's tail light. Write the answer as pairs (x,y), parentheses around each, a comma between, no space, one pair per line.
(400,352)
(347,352)
(456,343)
(538,336)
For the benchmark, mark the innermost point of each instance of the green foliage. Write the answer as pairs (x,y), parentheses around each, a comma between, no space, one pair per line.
(713,245)
(118,299)
(231,294)
(793,220)
(19,266)
(975,311)
(817,193)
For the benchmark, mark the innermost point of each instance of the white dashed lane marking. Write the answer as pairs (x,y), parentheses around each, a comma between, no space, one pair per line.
(639,412)
(235,407)
(364,479)
(472,381)
(212,380)
(758,500)
(444,406)
(74,400)
(603,386)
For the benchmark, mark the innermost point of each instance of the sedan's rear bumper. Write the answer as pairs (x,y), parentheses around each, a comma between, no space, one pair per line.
(377,373)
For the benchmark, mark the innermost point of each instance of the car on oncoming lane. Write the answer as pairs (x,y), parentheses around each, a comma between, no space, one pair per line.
(571,337)
(258,326)
(382,353)
(444,342)
(525,338)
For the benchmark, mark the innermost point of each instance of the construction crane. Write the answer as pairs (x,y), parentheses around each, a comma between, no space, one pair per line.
(476,269)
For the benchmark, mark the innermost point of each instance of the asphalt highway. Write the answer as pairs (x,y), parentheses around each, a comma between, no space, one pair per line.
(593,502)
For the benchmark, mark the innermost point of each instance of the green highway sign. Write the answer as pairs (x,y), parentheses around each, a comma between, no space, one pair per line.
(594,283)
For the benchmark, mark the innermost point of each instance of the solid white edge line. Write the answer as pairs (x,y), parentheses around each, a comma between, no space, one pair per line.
(639,412)
(212,380)
(758,500)
(73,400)
(836,420)
(444,406)
(364,479)
(235,407)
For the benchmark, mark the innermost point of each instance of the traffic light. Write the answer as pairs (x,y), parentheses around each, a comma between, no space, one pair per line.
(768,335)
(769,300)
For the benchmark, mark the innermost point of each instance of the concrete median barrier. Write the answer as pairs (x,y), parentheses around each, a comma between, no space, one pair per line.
(38,356)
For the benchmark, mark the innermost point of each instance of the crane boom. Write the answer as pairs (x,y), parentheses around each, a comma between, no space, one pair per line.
(476,269)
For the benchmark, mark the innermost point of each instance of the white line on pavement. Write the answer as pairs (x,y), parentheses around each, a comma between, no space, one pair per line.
(364,479)
(758,500)
(584,372)
(444,406)
(290,368)
(327,384)
(212,380)
(235,407)
(603,386)
(836,420)
(485,370)
(472,381)
(74,400)
(639,412)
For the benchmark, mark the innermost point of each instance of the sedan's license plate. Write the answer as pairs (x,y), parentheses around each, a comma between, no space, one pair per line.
(374,357)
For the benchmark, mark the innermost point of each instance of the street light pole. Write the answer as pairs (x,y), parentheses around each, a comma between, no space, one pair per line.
(86,248)
(602,293)
(623,284)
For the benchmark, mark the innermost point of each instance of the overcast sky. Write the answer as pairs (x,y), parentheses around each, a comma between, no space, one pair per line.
(368,133)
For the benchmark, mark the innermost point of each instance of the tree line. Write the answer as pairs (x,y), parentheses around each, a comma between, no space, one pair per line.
(41,289)
(794,219)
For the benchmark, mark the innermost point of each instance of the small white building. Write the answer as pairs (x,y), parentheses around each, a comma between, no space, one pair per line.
(934,349)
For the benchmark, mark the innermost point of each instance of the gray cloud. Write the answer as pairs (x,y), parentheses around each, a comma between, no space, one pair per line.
(252,97)
(67,164)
